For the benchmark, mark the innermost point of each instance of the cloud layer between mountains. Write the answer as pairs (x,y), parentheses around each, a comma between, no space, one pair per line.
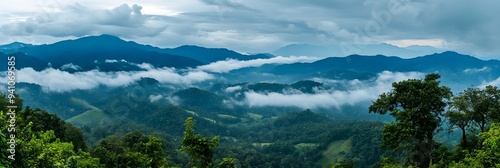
(231,64)
(61,81)
(353,92)
(356,92)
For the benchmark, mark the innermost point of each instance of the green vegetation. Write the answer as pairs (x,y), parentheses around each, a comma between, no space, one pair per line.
(285,140)
(93,115)
(42,140)
(418,108)
(337,151)
(132,150)
(142,133)
(201,149)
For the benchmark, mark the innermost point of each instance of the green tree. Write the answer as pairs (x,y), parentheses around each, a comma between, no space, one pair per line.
(43,121)
(45,150)
(5,119)
(42,140)
(83,160)
(4,138)
(485,105)
(343,164)
(132,150)
(474,106)
(417,106)
(228,163)
(489,155)
(201,149)
(460,113)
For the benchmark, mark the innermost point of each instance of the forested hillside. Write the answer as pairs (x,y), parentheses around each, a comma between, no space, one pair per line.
(170,136)
(297,139)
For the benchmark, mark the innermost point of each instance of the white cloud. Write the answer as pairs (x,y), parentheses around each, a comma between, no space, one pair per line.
(495,82)
(357,92)
(153,98)
(70,66)
(60,81)
(438,43)
(332,28)
(174,100)
(110,61)
(476,70)
(233,88)
(231,64)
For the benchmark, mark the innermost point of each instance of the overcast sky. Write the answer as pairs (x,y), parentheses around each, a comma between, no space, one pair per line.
(260,25)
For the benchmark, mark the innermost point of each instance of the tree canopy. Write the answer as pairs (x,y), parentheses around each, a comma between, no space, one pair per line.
(417,106)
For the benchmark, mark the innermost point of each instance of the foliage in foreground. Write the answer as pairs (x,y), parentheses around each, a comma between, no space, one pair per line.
(418,107)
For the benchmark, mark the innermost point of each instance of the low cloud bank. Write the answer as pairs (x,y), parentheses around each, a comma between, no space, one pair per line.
(357,92)
(60,81)
(232,64)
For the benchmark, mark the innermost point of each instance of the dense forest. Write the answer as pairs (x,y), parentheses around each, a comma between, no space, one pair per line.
(180,136)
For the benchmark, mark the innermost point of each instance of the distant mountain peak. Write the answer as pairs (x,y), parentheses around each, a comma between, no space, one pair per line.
(201,48)
(15,45)
(108,35)
(449,54)
(103,37)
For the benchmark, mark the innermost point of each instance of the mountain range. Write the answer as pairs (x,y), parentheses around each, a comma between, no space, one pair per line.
(257,102)
(87,53)
(90,52)
(105,65)
(360,49)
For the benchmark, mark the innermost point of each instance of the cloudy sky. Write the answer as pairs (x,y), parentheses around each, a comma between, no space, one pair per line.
(259,25)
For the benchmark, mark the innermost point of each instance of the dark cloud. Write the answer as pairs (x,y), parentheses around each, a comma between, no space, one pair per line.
(76,20)
(262,26)
(123,15)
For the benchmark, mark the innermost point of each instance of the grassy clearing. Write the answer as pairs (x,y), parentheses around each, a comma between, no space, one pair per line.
(254,116)
(336,151)
(301,146)
(225,116)
(261,144)
(92,116)
(191,112)
(83,103)
(196,114)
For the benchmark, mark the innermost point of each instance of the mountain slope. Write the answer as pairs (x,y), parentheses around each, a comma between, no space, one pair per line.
(446,61)
(23,60)
(86,52)
(13,47)
(361,49)
(92,51)
(208,55)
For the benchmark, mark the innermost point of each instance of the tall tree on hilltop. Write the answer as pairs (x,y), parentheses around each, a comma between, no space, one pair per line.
(417,106)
